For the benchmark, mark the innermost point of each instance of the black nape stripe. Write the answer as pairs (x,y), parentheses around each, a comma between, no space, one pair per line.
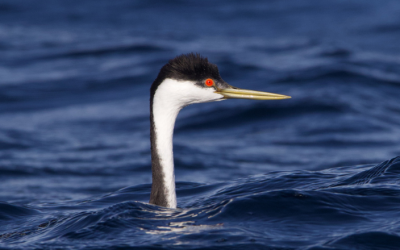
(158,189)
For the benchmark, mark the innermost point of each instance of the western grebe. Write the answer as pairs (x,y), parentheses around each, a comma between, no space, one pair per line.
(184,80)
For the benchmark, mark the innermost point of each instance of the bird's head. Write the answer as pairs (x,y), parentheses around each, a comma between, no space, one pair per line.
(190,78)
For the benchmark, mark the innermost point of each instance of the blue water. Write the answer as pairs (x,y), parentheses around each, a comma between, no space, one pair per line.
(318,171)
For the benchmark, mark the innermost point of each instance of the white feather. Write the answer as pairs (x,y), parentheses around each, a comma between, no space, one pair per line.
(170,97)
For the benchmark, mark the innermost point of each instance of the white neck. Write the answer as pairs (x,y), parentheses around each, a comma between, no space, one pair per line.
(164,121)
(170,97)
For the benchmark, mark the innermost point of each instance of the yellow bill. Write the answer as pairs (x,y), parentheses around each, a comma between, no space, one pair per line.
(250,94)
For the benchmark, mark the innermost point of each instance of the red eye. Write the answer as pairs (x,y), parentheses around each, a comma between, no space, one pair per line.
(209,82)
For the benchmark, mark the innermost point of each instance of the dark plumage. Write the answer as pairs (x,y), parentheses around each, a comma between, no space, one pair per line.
(189,67)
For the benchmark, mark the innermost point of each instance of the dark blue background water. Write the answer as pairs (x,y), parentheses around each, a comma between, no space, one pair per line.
(317,171)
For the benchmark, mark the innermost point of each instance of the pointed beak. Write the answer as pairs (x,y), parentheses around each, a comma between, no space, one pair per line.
(249,94)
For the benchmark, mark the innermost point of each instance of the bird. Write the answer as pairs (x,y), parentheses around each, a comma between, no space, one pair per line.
(184,80)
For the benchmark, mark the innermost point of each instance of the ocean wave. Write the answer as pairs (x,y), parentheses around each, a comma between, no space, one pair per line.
(270,202)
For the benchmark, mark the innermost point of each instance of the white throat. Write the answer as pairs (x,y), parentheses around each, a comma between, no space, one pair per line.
(170,97)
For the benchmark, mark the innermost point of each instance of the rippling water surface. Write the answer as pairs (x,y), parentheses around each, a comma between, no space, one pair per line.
(318,171)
